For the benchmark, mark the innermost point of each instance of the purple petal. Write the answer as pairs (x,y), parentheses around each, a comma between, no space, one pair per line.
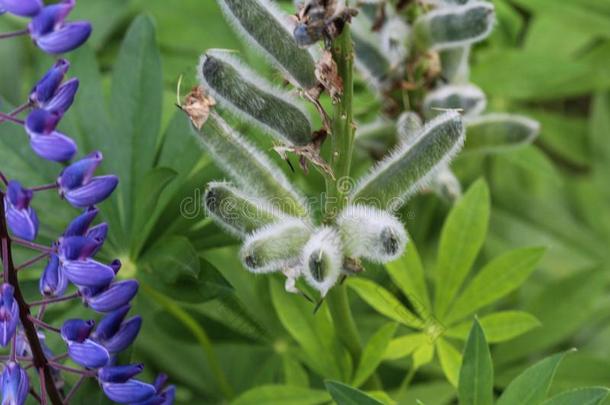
(111,323)
(129,392)
(80,172)
(96,191)
(18,196)
(80,225)
(53,281)
(88,354)
(119,374)
(46,87)
(88,273)
(125,335)
(41,122)
(49,19)
(22,8)
(77,247)
(22,223)
(9,315)
(15,385)
(55,147)
(76,330)
(64,98)
(116,296)
(65,39)
(99,234)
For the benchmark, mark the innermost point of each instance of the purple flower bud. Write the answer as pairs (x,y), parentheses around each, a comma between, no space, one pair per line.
(47,87)
(116,265)
(41,122)
(125,336)
(9,314)
(64,98)
(53,35)
(110,324)
(119,374)
(22,8)
(88,354)
(55,147)
(80,225)
(15,385)
(80,172)
(53,282)
(88,273)
(21,218)
(133,391)
(76,330)
(116,296)
(77,247)
(94,192)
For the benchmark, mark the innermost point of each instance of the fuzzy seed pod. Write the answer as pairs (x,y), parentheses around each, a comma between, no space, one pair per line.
(323,259)
(275,247)
(455,64)
(454,26)
(408,126)
(412,165)
(446,185)
(492,132)
(370,60)
(371,233)
(253,99)
(268,30)
(249,167)
(395,37)
(467,97)
(237,212)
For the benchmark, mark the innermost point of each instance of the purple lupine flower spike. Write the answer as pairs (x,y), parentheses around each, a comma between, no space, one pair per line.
(22,8)
(45,141)
(9,314)
(119,374)
(53,282)
(116,296)
(15,384)
(21,218)
(132,391)
(80,188)
(47,87)
(52,34)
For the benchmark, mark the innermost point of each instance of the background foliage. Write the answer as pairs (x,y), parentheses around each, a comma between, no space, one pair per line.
(220,332)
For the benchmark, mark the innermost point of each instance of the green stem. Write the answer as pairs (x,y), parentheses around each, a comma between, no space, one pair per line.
(198,333)
(345,327)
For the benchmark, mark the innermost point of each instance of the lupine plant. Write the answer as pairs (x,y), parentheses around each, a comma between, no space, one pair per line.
(92,348)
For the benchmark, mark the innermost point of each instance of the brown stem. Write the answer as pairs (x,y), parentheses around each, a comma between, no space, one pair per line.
(40,362)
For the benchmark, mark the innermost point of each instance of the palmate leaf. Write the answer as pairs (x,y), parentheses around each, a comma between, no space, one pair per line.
(412,164)
(405,345)
(450,359)
(282,394)
(373,353)
(249,167)
(532,385)
(476,374)
(461,239)
(498,278)
(253,99)
(346,395)
(498,326)
(499,131)
(267,29)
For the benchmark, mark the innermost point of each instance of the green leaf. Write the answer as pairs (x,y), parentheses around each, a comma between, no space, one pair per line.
(423,354)
(476,374)
(280,395)
(384,302)
(373,353)
(146,200)
(462,236)
(346,395)
(580,396)
(408,274)
(369,58)
(405,345)
(498,278)
(251,169)
(532,385)
(294,373)
(450,360)
(264,27)
(137,91)
(599,129)
(498,326)
(498,132)
(253,99)
(403,172)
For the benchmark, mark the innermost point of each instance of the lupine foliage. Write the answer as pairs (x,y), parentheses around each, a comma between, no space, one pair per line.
(241,336)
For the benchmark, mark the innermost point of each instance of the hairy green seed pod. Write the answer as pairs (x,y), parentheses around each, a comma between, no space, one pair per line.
(275,247)
(371,233)
(249,167)
(395,37)
(455,64)
(496,131)
(237,212)
(412,164)
(370,59)
(267,29)
(323,259)
(467,97)
(408,126)
(446,185)
(457,26)
(253,99)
